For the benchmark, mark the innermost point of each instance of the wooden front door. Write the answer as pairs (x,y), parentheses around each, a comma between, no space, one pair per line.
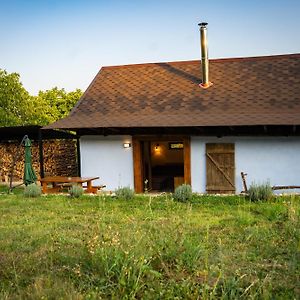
(220,169)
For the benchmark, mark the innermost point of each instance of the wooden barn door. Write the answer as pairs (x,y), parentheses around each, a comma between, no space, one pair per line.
(220,169)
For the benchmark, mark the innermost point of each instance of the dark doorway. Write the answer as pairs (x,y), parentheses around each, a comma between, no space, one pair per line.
(163,165)
(143,166)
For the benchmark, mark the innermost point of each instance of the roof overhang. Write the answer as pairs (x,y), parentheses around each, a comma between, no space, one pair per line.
(34,132)
(218,131)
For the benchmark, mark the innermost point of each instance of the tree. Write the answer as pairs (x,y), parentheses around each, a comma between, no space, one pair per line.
(18,107)
(57,104)
(15,102)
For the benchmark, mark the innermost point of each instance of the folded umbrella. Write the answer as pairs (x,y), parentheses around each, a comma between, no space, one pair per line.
(29,174)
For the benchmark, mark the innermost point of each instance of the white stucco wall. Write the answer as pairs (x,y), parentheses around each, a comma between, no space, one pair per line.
(276,159)
(105,156)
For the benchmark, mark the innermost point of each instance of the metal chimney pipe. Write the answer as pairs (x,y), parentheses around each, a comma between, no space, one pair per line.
(204,56)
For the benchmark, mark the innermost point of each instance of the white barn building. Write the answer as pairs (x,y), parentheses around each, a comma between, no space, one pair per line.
(153,123)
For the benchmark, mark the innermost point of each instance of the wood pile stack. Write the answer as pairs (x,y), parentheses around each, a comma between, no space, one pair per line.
(60,158)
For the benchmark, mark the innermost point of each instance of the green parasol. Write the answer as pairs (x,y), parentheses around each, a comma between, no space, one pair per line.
(29,174)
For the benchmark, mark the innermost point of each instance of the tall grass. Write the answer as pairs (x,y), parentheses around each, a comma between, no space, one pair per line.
(55,247)
(261,192)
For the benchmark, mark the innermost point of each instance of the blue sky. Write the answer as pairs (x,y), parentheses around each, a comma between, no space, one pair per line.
(64,43)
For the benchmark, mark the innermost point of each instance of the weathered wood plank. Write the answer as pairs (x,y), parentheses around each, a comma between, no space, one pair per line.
(285,187)
(137,165)
(223,173)
(220,168)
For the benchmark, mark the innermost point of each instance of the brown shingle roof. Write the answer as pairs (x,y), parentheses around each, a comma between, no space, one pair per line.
(245,91)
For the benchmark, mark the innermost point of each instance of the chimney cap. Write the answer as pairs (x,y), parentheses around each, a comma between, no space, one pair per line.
(203,24)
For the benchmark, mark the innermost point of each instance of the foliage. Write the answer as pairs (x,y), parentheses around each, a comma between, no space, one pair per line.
(56,103)
(214,248)
(76,191)
(183,193)
(261,192)
(124,193)
(15,102)
(18,107)
(32,191)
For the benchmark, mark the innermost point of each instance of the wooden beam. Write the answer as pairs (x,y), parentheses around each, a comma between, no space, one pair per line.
(165,138)
(137,165)
(244,182)
(285,187)
(187,160)
(78,157)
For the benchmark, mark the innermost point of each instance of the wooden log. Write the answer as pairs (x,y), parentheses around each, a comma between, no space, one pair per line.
(285,187)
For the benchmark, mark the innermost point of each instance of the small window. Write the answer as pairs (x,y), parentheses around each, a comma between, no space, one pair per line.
(175,145)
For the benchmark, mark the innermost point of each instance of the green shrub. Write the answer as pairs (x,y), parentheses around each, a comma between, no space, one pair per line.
(261,192)
(75,191)
(125,193)
(183,193)
(32,191)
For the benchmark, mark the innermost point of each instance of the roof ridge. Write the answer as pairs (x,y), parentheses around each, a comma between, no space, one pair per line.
(224,59)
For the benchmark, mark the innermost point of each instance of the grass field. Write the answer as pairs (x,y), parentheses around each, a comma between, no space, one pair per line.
(55,247)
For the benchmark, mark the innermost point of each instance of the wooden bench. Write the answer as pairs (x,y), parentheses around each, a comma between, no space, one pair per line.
(95,188)
(58,183)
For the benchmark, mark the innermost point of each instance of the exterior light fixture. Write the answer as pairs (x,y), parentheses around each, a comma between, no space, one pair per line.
(157,150)
(127,145)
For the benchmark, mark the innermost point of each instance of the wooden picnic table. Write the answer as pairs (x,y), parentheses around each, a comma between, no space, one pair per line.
(58,182)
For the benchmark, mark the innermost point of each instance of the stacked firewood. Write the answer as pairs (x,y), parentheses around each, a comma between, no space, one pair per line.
(8,152)
(60,158)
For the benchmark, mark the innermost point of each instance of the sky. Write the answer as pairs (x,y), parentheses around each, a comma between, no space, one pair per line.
(64,43)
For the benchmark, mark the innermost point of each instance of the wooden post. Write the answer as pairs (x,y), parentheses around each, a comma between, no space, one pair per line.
(78,156)
(244,182)
(187,160)
(137,165)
